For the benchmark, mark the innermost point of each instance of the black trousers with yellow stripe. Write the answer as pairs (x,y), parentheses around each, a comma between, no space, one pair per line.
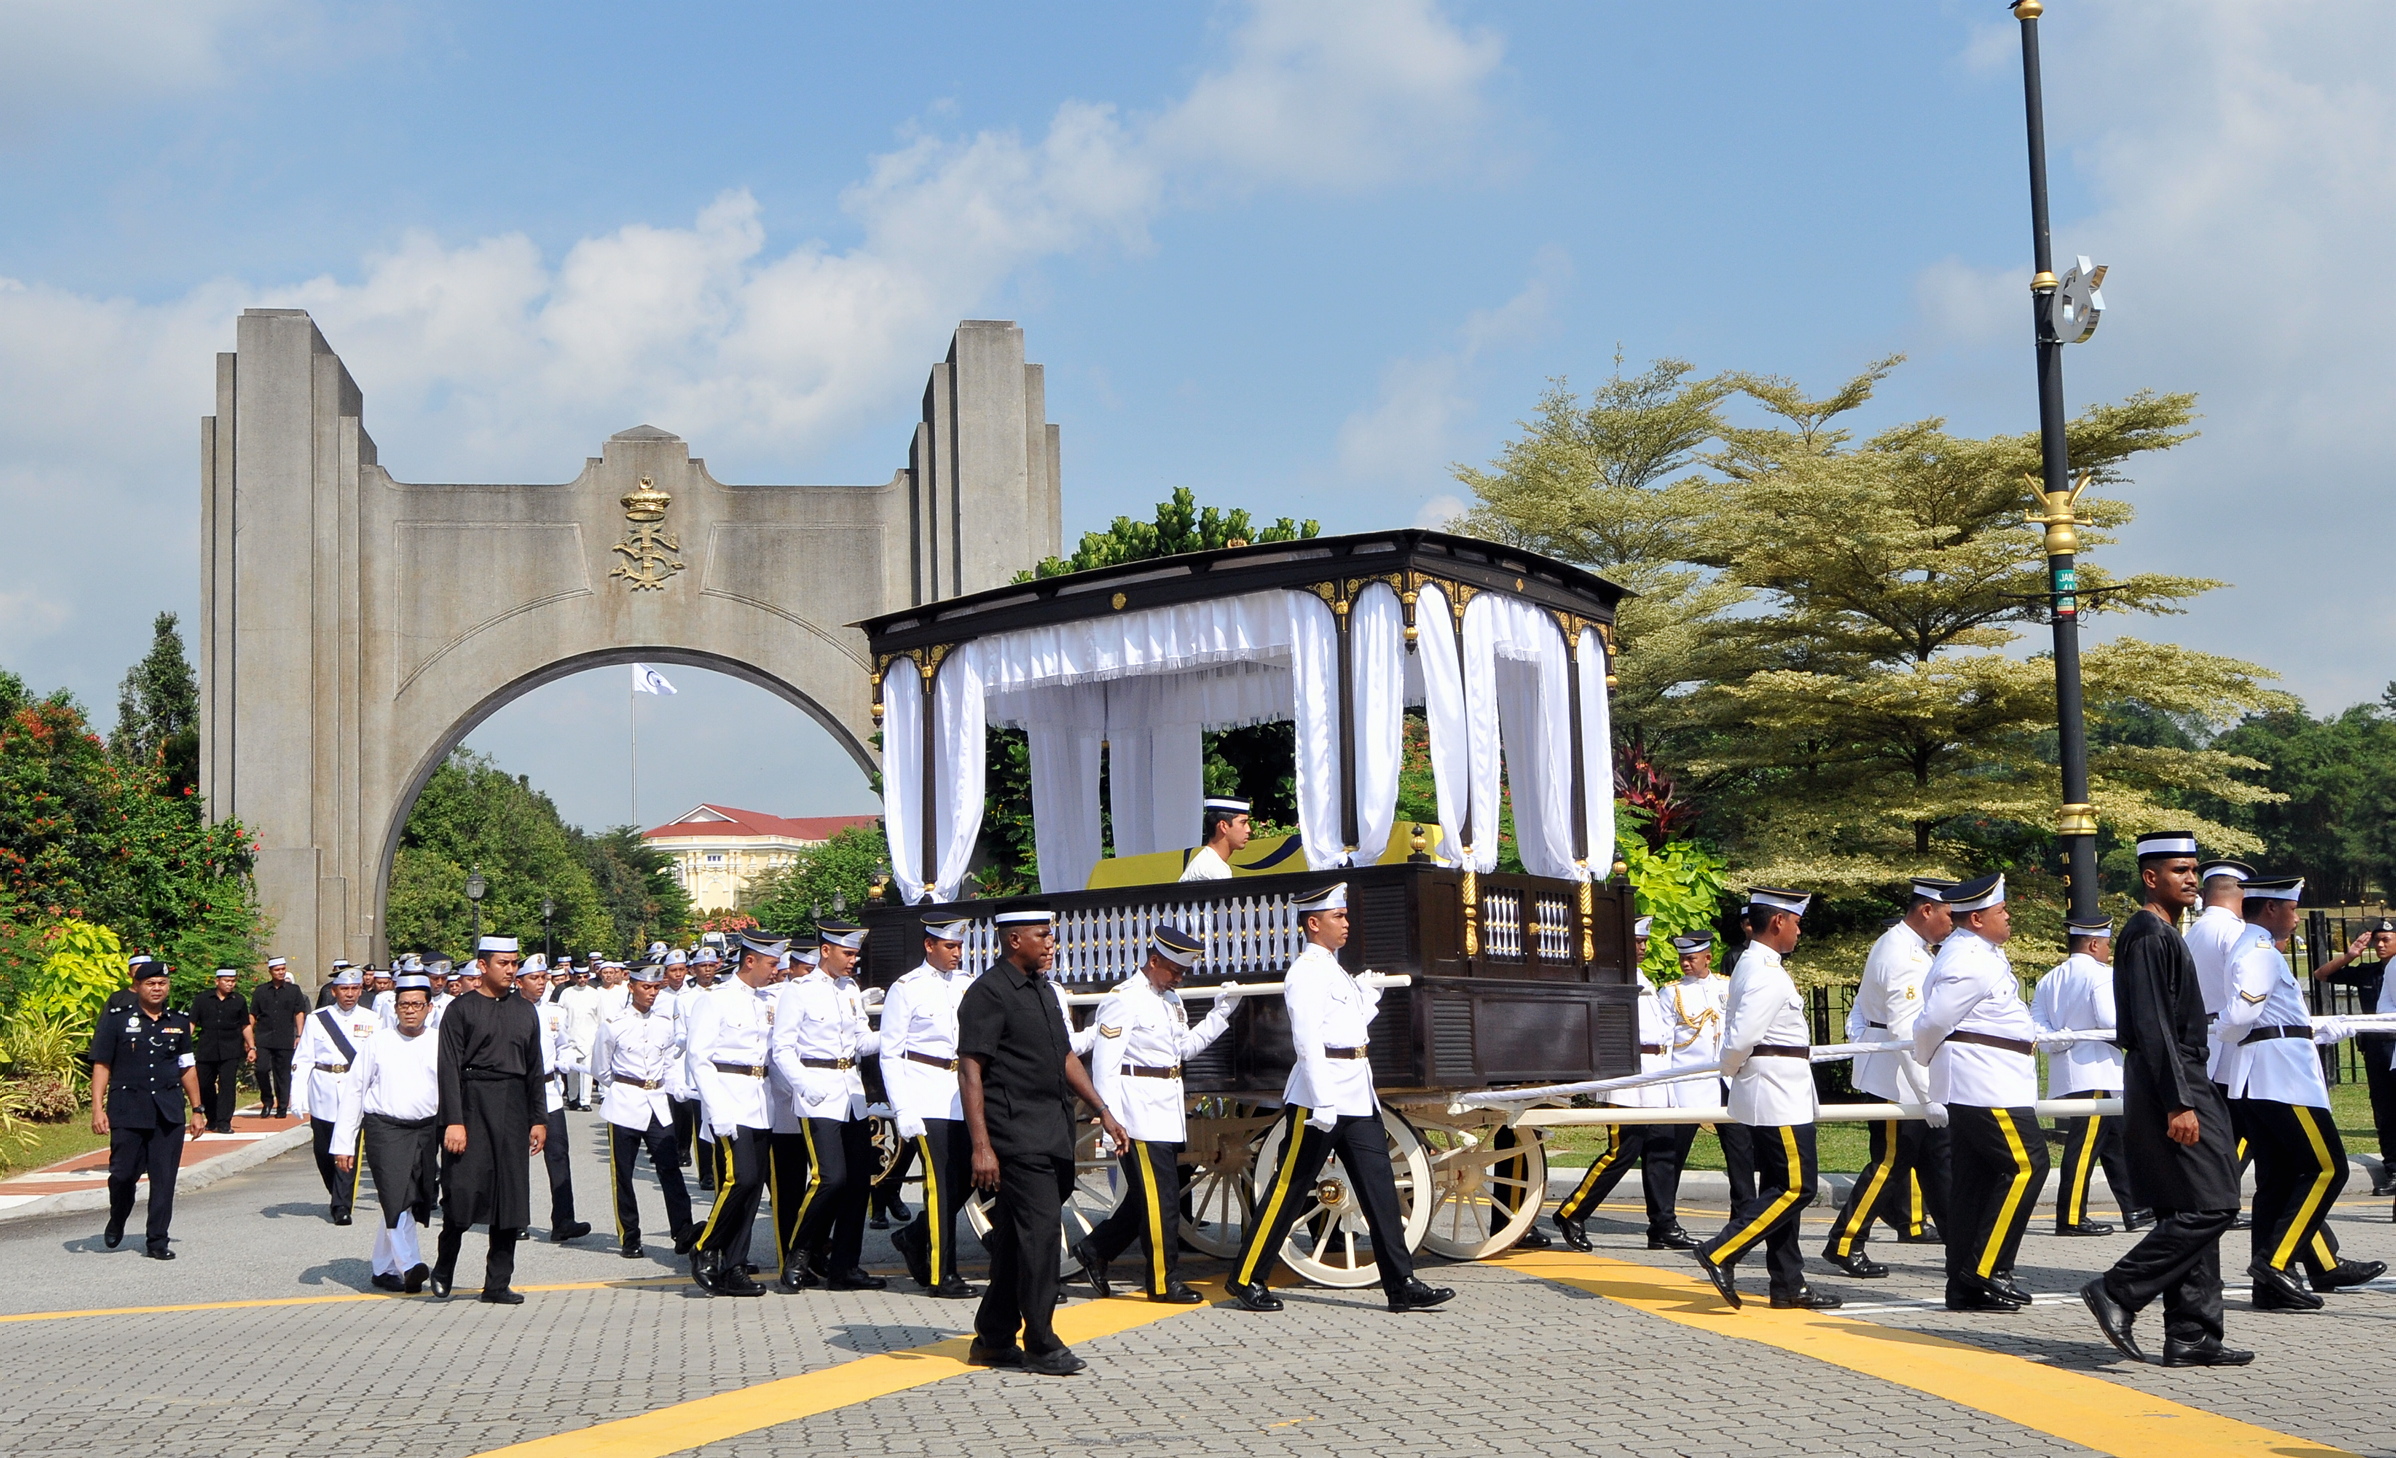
(947,1158)
(819,1195)
(2000,1170)
(624,1148)
(1906,1177)
(740,1181)
(2300,1166)
(1150,1211)
(1659,1150)
(1785,1174)
(1363,1149)
(2087,1143)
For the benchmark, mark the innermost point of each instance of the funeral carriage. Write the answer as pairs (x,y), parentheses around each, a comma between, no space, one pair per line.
(1490,979)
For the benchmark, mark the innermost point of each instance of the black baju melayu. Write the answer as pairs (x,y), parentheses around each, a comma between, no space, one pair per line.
(492,1083)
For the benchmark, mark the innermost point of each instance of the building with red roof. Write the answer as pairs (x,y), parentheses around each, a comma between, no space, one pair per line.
(718,852)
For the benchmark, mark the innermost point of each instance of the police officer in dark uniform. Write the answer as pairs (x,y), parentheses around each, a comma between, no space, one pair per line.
(145,1080)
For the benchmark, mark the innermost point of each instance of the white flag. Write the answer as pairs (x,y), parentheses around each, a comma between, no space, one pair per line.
(647,680)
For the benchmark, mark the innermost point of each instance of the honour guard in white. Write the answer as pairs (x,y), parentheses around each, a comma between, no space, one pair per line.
(580,1001)
(787,1160)
(2280,1101)
(639,1068)
(2212,936)
(821,1039)
(731,1034)
(559,1057)
(1908,1155)
(1656,1148)
(1330,1108)
(1767,1053)
(1226,834)
(330,1038)
(390,1107)
(2077,996)
(1982,1048)
(919,1068)
(1144,1038)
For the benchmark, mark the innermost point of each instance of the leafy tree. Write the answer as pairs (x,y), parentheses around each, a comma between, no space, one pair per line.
(1180,526)
(2337,824)
(637,882)
(837,875)
(158,711)
(472,815)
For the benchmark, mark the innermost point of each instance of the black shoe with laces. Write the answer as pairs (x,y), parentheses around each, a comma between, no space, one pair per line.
(2349,1273)
(1093,1267)
(2085,1227)
(1725,1284)
(1416,1296)
(1859,1265)
(1253,1298)
(2281,1291)
(980,1355)
(1179,1294)
(1575,1232)
(1059,1363)
(387,1281)
(1806,1299)
(413,1281)
(1673,1239)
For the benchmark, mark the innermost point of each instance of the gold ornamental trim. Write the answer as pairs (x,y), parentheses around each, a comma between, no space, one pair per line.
(651,554)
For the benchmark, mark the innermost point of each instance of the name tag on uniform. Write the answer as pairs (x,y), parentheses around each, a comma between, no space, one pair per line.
(133,1025)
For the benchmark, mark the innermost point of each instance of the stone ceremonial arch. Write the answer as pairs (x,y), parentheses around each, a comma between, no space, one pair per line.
(355,627)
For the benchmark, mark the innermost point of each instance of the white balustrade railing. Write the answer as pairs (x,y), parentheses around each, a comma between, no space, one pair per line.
(1555,929)
(1501,925)
(1100,946)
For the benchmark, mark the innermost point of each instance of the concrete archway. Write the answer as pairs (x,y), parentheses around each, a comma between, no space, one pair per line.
(356,627)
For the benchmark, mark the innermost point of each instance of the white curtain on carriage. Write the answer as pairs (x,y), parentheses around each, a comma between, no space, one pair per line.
(1597,751)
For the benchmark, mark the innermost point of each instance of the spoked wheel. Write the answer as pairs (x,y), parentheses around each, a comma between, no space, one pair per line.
(1218,1161)
(882,1132)
(1487,1180)
(1097,1189)
(1329,1243)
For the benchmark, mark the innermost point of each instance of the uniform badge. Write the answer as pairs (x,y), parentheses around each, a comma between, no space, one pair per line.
(1106,1032)
(1909,994)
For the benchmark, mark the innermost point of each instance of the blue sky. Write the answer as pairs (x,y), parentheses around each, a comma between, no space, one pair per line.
(1298,257)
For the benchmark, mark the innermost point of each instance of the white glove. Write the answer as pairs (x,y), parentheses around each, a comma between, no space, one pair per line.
(1935,1115)
(1323,1119)
(2056,1045)
(2332,1030)
(873,997)
(910,1126)
(1228,996)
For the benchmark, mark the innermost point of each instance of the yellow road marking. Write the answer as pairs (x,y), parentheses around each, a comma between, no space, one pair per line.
(461,1294)
(730,1414)
(2089,1411)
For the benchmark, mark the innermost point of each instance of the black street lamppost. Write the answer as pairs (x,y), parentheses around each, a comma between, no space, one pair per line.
(548,910)
(2063,311)
(475,887)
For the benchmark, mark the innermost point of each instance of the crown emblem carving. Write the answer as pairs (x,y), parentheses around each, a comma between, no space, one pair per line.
(647,502)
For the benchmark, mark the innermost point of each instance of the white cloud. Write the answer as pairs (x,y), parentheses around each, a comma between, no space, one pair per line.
(484,360)
(66,56)
(1440,510)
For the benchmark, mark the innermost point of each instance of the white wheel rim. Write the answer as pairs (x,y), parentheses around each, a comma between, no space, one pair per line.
(1218,1164)
(1329,1243)
(1488,1182)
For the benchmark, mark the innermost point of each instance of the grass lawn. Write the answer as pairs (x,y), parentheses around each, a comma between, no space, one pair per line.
(1842,1148)
(52,1143)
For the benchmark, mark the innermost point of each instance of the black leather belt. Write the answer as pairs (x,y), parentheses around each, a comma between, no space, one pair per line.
(842,1064)
(1870,1024)
(2265,1035)
(651,1084)
(925,1058)
(746,1070)
(1780,1050)
(332,1068)
(1651,1047)
(1357,1052)
(1991,1040)
(1137,1071)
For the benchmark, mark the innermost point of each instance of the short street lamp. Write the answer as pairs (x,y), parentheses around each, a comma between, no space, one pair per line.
(548,910)
(475,887)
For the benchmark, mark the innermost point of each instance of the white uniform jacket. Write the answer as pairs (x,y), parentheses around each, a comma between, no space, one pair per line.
(581,1006)
(1971,989)
(432,1019)
(645,1047)
(560,1053)
(2211,938)
(1764,1010)
(733,1024)
(1140,1027)
(1692,1009)
(1205,866)
(1328,1009)
(2077,996)
(318,1066)
(919,1015)
(821,1019)
(2264,995)
(1655,1054)
(396,1076)
(1886,1004)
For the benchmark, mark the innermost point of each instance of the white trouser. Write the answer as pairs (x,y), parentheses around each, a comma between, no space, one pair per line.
(395,1248)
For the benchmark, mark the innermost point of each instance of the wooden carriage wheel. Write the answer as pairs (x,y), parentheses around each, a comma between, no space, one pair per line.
(1328,1242)
(1097,1189)
(1487,1182)
(1217,1172)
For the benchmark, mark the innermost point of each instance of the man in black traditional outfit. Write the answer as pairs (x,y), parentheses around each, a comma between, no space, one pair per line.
(2175,1127)
(492,1104)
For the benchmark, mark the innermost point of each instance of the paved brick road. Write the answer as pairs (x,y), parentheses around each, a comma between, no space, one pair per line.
(1517,1365)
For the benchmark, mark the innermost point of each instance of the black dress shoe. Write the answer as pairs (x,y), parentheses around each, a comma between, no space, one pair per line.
(855,1278)
(1416,1296)
(1980,1296)
(898,1212)
(1534,1239)
(1859,1265)
(2137,1219)
(1807,1299)
(439,1282)
(158,1252)
(1093,1267)
(501,1296)
(1253,1298)
(703,1272)
(2002,1283)
(2349,1273)
(1928,1236)
(955,1288)
(1673,1239)
(573,1231)
(2112,1319)
(2281,1291)
(1059,1363)
(910,1244)
(114,1235)
(413,1281)
(2203,1354)
(2085,1227)
(1180,1294)
(2381,1185)
(979,1355)
(686,1240)
(736,1281)
(630,1250)
(2245,1221)
(1575,1232)
(878,1222)
(1724,1281)
(387,1281)
(341,1217)
(795,1278)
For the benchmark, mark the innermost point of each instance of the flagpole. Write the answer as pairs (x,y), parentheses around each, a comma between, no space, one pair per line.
(632,714)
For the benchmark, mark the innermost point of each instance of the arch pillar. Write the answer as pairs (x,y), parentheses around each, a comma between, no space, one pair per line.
(356,627)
